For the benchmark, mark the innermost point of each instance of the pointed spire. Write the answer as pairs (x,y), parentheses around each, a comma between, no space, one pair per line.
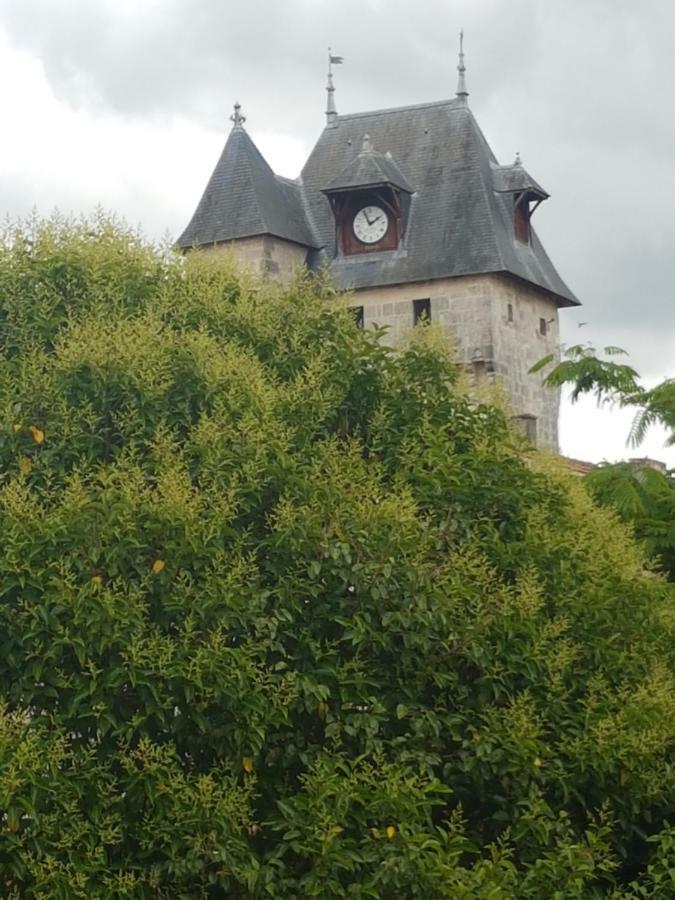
(462,92)
(238,117)
(331,111)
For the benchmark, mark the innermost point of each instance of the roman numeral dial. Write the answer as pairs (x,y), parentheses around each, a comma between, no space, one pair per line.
(370,224)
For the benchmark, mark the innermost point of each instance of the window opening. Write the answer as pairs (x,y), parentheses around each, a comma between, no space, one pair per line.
(521,221)
(357,312)
(527,424)
(421,311)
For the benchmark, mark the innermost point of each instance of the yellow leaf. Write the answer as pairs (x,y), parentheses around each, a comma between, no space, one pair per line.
(25,465)
(391,832)
(322,710)
(17,427)
(247,763)
(38,435)
(158,566)
(96,580)
(537,762)
(337,829)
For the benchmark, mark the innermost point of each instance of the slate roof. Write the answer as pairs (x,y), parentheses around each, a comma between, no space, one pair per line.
(244,198)
(368,169)
(458,223)
(515,179)
(460,219)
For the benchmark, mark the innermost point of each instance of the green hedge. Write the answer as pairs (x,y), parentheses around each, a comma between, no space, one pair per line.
(285,614)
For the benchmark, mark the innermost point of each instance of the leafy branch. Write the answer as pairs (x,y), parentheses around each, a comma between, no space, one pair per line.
(613,382)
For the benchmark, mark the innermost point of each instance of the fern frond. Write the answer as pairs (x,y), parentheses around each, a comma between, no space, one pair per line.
(642,422)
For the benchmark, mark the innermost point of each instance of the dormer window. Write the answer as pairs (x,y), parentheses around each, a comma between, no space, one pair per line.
(369,199)
(526,195)
(521,219)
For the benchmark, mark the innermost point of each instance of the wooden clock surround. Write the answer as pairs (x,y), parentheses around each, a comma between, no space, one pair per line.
(346,206)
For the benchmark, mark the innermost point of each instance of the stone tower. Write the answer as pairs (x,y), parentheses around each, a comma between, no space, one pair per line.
(410,212)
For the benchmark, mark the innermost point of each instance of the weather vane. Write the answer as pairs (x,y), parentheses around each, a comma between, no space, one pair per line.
(331,111)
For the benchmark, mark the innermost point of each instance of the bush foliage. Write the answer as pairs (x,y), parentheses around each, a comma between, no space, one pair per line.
(286,614)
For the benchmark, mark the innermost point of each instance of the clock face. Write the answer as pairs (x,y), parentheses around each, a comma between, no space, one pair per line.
(370,224)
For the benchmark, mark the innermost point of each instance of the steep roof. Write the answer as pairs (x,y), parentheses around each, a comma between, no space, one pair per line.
(244,198)
(460,216)
(459,224)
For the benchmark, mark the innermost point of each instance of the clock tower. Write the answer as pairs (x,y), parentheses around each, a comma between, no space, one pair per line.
(414,220)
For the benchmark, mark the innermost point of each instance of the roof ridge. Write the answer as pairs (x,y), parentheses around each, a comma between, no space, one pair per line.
(309,212)
(287,180)
(451,101)
(251,175)
(299,189)
(477,132)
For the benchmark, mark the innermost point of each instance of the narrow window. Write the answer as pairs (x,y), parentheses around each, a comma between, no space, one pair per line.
(421,311)
(543,326)
(521,220)
(509,312)
(357,312)
(528,425)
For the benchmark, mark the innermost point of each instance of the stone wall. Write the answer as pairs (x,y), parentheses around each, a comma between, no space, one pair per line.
(500,327)
(264,254)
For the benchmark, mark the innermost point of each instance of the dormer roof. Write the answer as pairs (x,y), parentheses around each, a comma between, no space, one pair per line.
(368,168)
(515,179)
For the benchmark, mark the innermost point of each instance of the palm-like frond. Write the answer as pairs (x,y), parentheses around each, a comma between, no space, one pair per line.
(642,422)
(613,382)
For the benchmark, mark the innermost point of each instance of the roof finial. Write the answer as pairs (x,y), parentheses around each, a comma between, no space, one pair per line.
(518,161)
(367,147)
(238,117)
(331,111)
(462,92)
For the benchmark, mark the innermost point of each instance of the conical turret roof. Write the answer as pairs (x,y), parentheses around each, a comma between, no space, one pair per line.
(244,198)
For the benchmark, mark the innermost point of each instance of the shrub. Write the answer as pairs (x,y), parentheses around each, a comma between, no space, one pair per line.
(286,614)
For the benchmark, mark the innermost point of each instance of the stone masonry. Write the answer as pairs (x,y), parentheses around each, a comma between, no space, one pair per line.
(492,341)
(265,255)
(499,325)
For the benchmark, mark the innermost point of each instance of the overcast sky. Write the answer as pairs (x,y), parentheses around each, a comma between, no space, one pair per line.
(126,104)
